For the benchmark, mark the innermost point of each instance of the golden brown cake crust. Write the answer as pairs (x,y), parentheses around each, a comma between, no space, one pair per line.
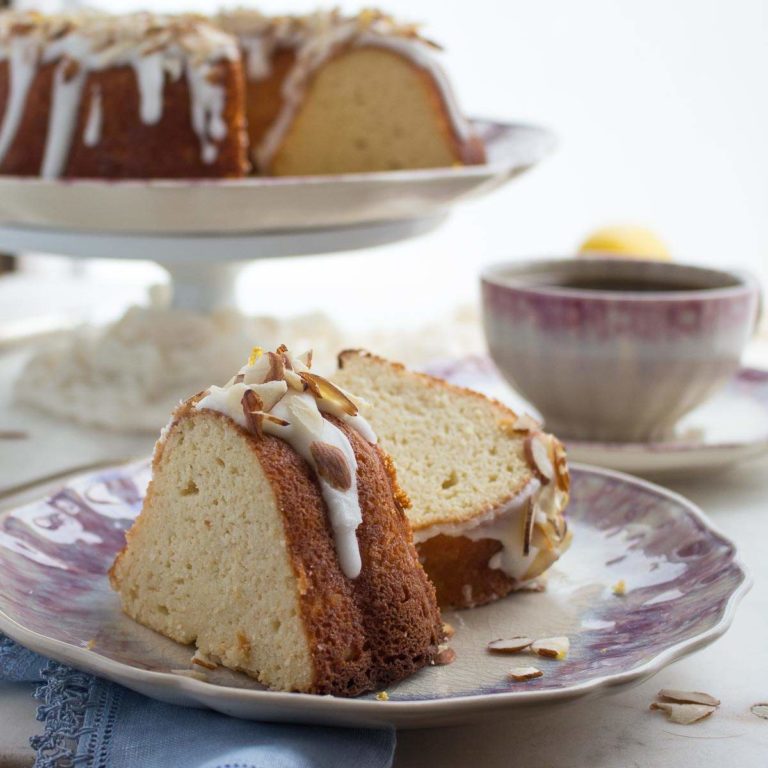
(364,633)
(129,148)
(458,567)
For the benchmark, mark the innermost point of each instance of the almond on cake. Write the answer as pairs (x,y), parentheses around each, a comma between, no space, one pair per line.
(488,488)
(273,538)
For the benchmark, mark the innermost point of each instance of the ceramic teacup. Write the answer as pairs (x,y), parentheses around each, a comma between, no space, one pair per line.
(616,350)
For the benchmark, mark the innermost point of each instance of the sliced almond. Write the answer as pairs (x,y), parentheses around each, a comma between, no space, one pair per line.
(281,350)
(509,645)
(445,655)
(559,459)
(529,518)
(323,389)
(331,465)
(537,456)
(552,647)
(294,380)
(683,714)
(270,393)
(760,710)
(688,697)
(252,406)
(276,370)
(521,674)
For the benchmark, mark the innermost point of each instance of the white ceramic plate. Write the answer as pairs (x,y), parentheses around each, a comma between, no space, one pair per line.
(683,584)
(729,429)
(258,205)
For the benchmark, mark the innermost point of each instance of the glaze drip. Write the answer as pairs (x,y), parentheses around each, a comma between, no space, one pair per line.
(288,404)
(155,47)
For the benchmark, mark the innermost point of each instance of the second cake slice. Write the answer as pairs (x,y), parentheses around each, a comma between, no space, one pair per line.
(488,487)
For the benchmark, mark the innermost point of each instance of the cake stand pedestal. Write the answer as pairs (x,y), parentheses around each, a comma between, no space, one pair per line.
(204,268)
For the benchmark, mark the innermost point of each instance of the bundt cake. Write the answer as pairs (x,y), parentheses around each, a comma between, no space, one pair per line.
(329,93)
(488,487)
(273,537)
(141,95)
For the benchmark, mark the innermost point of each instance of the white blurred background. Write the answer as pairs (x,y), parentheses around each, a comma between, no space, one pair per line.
(661,112)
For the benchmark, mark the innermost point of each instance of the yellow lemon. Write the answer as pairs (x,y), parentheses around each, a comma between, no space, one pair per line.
(625,242)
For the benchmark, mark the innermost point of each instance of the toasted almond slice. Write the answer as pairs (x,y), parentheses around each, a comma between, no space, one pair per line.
(276,370)
(448,630)
(323,389)
(331,465)
(281,350)
(528,520)
(760,710)
(559,459)
(683,714)
(293,380)
(688,697)
(552,647)
(445,655)
(521,674)
(537,456)
(252,405)
(509,645)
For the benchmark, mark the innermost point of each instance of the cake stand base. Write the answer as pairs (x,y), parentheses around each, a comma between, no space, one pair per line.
(204,268)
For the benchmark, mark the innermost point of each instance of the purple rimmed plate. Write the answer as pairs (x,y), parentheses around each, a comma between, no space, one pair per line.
(730,428)
(683,582)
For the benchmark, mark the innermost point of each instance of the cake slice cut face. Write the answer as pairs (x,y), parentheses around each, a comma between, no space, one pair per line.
(273,538)
(329,93)
(488,487)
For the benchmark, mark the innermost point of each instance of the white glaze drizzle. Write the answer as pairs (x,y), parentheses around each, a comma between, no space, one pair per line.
(258,52)
(305,425)
(22,60)
(318,48)
(92,132)
(150,77)
(207,106)
(505,525)
(65,103)
(95,42)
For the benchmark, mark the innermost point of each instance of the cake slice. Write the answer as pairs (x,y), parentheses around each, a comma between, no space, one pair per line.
(488,487)
(329,93)
(273,538)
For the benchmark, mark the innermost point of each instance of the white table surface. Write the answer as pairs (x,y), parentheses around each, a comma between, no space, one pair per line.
(616,731)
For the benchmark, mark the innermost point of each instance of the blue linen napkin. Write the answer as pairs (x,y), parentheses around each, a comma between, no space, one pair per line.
(95,724)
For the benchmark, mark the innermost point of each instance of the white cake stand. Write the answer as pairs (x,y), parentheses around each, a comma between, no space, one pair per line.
(204,231)
(204,269)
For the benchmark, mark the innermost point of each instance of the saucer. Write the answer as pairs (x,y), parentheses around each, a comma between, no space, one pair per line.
(730,428)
